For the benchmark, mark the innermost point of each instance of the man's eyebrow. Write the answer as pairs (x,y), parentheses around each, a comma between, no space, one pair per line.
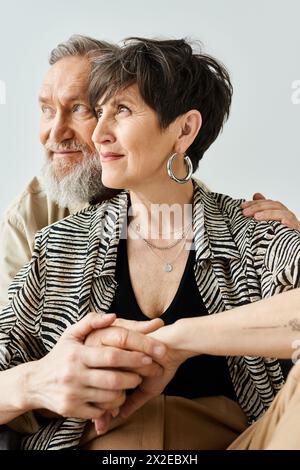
(45,98)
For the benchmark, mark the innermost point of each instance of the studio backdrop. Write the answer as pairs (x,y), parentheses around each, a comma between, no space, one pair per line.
(258,41)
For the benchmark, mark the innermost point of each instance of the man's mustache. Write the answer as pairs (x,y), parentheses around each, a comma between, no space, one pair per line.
(72,146)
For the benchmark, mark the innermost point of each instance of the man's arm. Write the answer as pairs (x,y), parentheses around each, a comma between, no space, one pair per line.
(31,211)
(15,252)
(267,209)
(73,378)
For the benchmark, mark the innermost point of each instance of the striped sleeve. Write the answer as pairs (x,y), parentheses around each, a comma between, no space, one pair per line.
(19,339)
(279,251)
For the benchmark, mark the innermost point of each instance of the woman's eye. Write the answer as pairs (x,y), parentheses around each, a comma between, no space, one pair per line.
(123,109)
(98,113)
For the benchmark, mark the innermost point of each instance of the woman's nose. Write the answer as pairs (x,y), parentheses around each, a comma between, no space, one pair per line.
(103,132)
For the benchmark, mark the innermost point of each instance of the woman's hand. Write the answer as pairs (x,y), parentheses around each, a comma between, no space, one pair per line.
(154,386)
(266,209)
(112,339)
(100,338)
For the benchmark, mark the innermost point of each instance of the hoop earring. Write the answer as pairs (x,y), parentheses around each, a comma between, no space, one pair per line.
(188,165)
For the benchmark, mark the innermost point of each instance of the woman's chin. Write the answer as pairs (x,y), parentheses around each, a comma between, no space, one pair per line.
(112,182)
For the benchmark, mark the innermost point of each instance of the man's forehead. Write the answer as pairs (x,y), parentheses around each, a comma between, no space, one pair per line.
(66,91)
(69,77)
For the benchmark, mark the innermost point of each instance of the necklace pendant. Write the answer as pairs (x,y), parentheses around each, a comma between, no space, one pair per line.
(168,268)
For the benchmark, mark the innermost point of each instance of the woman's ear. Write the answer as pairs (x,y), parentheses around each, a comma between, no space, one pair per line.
(190,124)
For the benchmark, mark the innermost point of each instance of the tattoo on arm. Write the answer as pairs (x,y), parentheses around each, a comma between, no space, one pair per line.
(294,324)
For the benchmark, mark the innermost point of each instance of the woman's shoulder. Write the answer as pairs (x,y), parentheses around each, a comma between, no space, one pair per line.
(217,202)
(79,223)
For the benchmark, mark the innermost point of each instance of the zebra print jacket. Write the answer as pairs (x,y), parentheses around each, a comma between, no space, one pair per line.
(237,261)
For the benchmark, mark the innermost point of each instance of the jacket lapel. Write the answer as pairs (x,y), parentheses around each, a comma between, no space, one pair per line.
(219,274)
(109,228)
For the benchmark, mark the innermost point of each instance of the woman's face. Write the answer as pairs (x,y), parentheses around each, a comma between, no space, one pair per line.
(132,146)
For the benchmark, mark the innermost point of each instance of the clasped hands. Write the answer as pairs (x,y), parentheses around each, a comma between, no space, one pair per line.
(161,367)
(95,361)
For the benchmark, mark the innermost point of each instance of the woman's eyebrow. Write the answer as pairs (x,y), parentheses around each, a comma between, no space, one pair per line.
(117,100)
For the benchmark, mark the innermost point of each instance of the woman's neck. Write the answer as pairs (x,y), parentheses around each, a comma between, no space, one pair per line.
(162,211)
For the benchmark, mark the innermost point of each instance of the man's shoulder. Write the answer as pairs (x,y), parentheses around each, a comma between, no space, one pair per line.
(33,189)
(33,208)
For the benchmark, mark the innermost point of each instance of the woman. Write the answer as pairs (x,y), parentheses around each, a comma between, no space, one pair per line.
(145,128)
(159,108)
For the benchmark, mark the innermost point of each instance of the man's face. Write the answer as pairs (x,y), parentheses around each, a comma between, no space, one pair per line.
(72,170)
(67,121)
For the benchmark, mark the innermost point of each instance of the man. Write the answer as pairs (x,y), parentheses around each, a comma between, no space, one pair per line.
(72,170)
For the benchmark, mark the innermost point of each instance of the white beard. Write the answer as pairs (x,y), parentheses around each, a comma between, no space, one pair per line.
(80,183)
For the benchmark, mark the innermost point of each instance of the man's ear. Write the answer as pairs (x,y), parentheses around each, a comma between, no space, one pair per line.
(190,125)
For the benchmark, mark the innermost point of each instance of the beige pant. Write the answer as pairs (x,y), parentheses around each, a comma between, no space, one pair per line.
(212,423)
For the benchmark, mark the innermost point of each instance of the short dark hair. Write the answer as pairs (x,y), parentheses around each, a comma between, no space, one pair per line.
(172,79)
(80,46)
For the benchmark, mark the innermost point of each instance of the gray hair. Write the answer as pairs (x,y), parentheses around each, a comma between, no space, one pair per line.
(82,46)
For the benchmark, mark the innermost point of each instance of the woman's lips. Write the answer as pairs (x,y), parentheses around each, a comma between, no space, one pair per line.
(108,156)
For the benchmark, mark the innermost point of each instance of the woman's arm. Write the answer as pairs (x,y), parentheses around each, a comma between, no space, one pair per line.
(269,328)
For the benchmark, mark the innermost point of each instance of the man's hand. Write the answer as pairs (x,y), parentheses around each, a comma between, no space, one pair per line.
(73,378)
(266,209)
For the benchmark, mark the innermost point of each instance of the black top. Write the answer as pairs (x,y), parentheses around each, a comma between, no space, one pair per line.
(188,380)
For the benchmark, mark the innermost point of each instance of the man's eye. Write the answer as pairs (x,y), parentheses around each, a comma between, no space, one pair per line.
(81,108)
(47,111)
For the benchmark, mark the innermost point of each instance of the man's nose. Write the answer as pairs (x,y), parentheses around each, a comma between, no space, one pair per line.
(60,129)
